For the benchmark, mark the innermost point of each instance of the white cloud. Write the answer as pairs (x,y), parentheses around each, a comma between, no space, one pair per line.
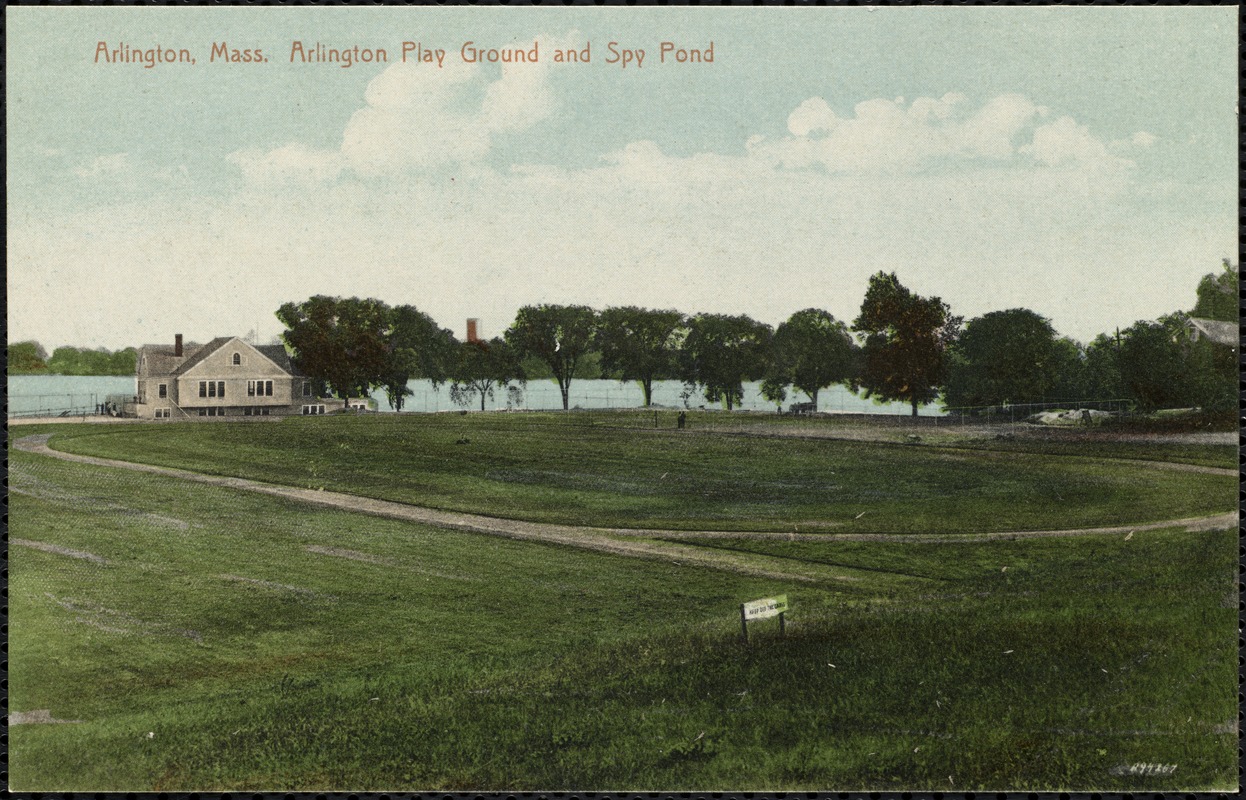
(522,97)
(811,116)
(411,120)
(106,167)
(120,175)
(992,131)
(890,136)
(417,116)
(1065,143)
(295,163)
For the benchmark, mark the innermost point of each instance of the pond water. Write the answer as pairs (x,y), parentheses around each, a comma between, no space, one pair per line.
(49,395)
(544,394)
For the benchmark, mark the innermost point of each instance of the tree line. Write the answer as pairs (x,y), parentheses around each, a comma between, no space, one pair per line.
(901,347)
(30,358)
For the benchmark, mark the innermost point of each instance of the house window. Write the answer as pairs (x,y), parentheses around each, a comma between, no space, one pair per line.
(162,413)
(237,359)
(313,410)
(250,388)
(203,412)
(163,390)
(211,388)
(268,388)
(307,388)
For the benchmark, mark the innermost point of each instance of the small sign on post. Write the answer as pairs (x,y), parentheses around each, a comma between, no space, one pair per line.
(765,608)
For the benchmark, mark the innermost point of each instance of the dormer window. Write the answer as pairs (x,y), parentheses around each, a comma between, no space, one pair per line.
(237,359)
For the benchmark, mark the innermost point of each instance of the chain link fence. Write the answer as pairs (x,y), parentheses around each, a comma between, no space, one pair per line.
(1020,412)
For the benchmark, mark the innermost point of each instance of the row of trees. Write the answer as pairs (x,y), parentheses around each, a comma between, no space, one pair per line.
(1016,356)
(30,358)
(1155,364)
(351,346)
(901,347)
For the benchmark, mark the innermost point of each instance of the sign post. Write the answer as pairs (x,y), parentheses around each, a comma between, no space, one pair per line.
(765,608)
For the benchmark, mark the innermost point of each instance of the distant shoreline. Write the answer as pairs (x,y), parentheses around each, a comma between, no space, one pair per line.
(76,419)
(46,374)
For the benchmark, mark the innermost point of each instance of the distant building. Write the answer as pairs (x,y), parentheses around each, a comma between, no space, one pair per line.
(1225,333)
(227,377)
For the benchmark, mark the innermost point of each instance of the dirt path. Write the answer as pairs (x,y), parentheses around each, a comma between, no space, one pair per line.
(1215,522)
(598,539)
(637,543)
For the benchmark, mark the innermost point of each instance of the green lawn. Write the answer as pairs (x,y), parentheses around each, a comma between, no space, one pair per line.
(592,469)
(235,641)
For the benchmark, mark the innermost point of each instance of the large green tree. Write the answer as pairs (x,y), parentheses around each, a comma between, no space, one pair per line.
(481,366)
(27,358)
(1070,367)
(721,352)
(1217,295)
(1165,363)
(1161,366)
(417,348)
(341,342)
(558,335)
(811,350)
(1214,365)
(906,339)
(640,344)
(1012,356)
(1101,368)
(1153,364)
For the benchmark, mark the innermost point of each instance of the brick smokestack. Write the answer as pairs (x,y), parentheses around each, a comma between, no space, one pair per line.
(472,334)
(177,345)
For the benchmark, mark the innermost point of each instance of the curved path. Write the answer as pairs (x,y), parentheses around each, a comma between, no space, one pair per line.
(623,541)
(598,539)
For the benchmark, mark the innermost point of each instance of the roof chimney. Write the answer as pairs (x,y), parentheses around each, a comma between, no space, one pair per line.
(472,335)
(177,345)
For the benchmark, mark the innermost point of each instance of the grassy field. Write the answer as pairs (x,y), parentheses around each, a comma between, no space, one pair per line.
(590,469)
(203,638)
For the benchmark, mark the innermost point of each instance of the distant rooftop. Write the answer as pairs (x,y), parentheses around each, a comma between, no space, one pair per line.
(1225,333)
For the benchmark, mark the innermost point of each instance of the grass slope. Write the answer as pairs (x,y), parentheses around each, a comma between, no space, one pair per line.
(585,469)
(234,641)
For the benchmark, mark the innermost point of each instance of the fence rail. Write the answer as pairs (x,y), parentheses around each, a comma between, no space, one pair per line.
(1019,412)
(54,405)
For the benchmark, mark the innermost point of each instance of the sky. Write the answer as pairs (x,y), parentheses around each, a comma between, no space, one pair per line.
(1080,162)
